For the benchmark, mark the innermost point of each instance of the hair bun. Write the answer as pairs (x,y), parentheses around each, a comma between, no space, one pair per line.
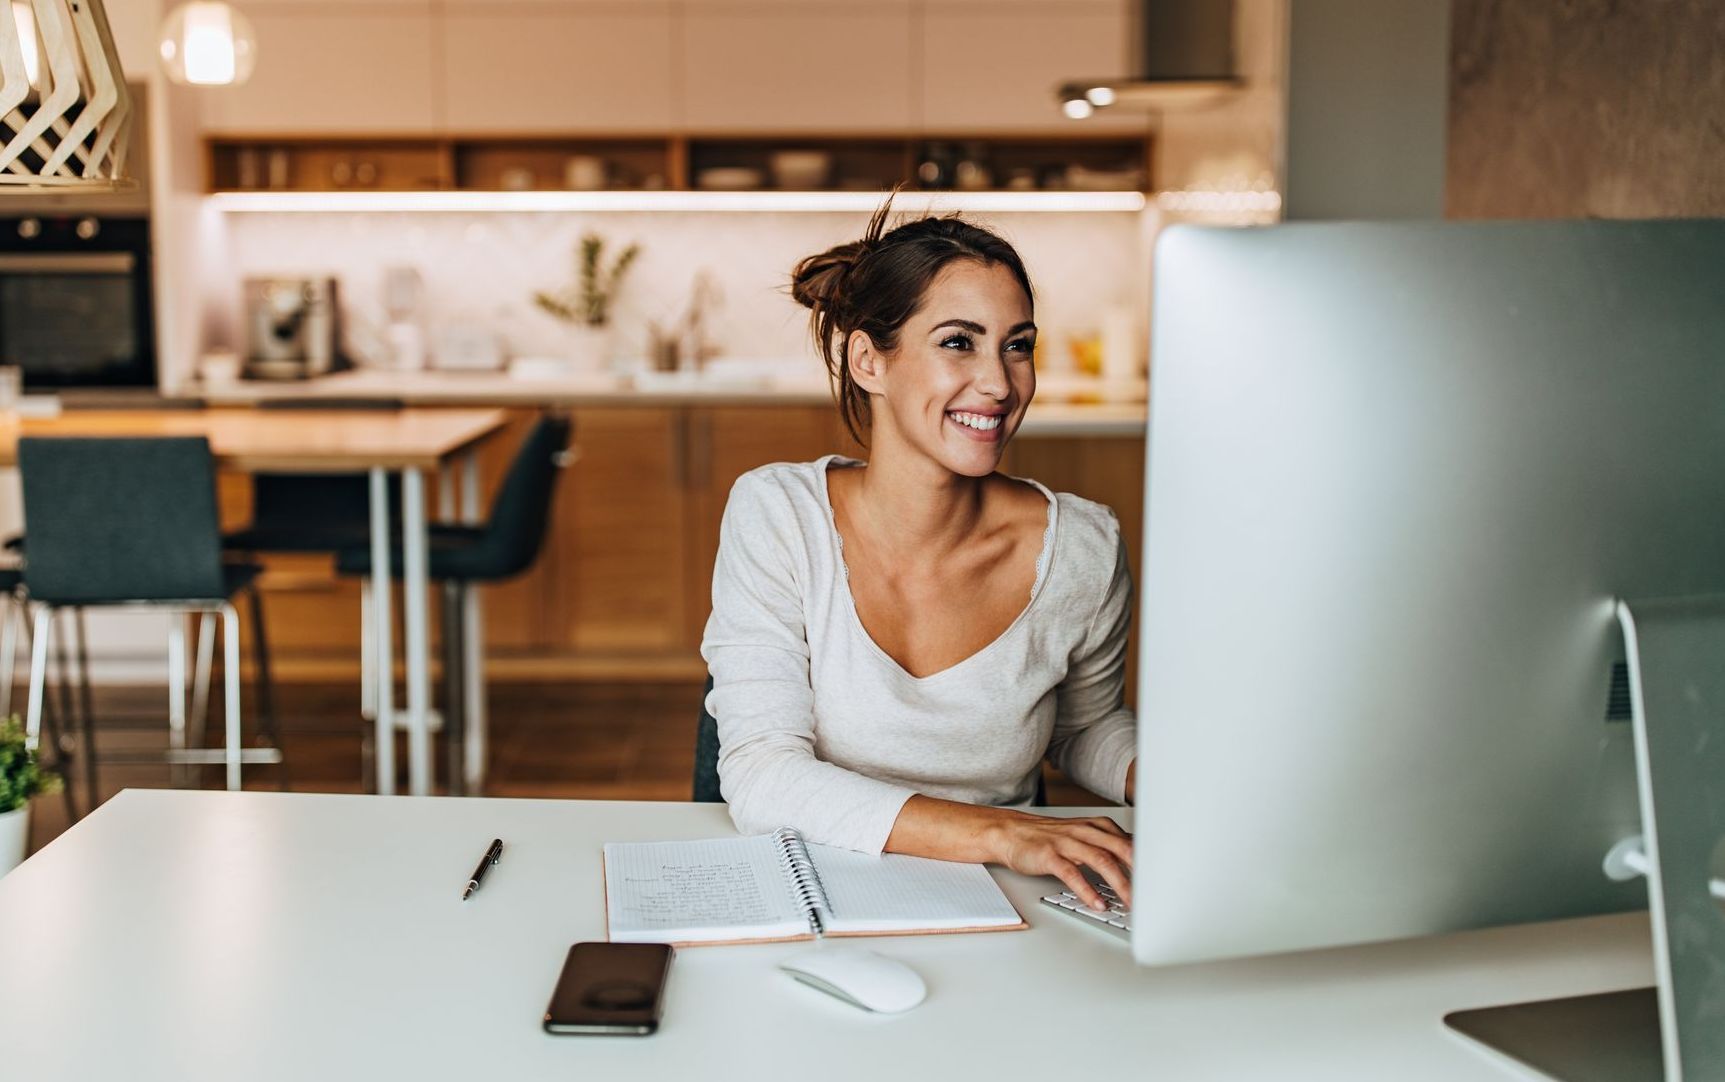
(818,282)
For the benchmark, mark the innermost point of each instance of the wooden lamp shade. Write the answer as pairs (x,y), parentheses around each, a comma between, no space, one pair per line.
(65,115)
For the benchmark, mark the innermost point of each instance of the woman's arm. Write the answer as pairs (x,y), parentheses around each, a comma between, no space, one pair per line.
(757,649)
(1095,740)
(1032,844)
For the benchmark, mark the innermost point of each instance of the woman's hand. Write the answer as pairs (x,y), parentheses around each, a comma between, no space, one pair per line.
(1041,845)
(1032,844)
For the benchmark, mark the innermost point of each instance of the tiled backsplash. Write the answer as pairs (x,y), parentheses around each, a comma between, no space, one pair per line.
(486,267)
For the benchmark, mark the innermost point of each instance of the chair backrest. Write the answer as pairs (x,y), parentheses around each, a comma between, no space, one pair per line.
(707,754)
(515,530)
(120,520)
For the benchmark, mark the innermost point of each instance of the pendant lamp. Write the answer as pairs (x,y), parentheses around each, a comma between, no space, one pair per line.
(208,43)
(65,114)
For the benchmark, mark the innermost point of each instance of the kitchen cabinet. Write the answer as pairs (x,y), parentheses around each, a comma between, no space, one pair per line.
(360,66)
(556,67)
(818,67)
(619,585)
(996,67)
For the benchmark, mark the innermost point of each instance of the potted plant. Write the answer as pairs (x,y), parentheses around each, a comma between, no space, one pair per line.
(21,777)
(586,305)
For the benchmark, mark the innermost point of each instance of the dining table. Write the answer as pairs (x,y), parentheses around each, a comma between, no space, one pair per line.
(409,443)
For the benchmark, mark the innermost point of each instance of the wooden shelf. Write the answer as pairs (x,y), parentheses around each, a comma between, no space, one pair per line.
(1088,161)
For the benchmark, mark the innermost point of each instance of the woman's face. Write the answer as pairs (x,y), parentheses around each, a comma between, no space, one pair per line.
(958,384)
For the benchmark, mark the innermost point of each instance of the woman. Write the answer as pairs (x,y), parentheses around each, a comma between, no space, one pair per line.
(896,646)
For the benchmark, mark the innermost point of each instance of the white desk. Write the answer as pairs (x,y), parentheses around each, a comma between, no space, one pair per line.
(189,936)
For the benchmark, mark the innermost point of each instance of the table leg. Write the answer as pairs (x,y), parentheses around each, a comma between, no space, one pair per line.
(415,583)
(473,641)
(380,631)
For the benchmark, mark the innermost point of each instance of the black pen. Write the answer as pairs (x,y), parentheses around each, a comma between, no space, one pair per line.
(493,854)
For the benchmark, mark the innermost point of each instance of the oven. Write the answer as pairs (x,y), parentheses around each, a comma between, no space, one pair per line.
(75,301)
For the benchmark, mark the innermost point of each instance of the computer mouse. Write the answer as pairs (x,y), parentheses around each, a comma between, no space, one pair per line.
(860,977)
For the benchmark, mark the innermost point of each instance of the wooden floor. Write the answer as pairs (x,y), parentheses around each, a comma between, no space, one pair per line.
(566,741)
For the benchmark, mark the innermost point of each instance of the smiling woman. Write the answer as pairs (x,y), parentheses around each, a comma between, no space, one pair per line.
(897,645)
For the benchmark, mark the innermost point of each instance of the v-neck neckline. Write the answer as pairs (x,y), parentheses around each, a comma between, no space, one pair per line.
(1044,565)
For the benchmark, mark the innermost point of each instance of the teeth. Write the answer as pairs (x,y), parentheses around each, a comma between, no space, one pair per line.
(976,421)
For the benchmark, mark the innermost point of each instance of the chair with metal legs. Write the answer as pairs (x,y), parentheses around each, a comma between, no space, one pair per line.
(503,546)
(132,523)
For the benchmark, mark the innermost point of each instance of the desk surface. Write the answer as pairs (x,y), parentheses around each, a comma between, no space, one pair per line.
(191,935)
(302,440)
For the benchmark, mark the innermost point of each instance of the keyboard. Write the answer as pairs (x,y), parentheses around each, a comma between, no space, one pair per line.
(1117,918)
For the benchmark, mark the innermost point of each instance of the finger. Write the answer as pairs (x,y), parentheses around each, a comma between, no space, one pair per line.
(1119,847)
(1104,865)
(1068,873)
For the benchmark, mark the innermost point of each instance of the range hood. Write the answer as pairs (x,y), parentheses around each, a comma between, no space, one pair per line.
(1182,58)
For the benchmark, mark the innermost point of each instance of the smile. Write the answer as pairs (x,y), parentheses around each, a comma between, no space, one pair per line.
(978,421)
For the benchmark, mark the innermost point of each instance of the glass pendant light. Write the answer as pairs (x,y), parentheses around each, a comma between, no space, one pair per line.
(208,43)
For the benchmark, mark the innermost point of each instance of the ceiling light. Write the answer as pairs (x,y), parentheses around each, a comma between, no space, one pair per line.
(1100,96)
(65,114)
(1077,108)
(208,43)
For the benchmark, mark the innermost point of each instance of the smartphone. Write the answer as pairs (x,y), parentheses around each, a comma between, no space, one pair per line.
(610,988)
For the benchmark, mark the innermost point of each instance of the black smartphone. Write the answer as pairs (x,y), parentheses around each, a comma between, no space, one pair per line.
(610,988)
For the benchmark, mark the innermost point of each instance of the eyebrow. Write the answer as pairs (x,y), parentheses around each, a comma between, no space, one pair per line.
(977,328)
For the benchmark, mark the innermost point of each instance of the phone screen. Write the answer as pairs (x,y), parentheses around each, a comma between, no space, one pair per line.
(610,988)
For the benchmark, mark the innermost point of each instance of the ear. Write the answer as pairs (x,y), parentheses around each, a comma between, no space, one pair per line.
(867,364)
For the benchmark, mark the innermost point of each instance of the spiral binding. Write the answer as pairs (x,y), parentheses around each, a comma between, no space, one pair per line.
(800,870)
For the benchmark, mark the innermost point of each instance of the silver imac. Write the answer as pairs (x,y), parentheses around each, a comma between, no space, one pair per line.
(1398,474)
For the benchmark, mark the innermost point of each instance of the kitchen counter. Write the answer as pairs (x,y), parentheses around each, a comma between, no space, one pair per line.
(1054,414)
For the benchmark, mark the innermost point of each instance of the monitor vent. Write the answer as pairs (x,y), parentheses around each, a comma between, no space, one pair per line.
(1617,706)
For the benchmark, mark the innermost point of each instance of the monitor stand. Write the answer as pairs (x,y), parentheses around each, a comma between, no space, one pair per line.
(1676,1030)
(1611,1037)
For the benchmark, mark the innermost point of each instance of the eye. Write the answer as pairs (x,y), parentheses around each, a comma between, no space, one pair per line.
(1021,345)
(956,341)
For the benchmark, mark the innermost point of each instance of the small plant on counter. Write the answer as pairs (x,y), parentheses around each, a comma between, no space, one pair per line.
(588,302)
(21,774)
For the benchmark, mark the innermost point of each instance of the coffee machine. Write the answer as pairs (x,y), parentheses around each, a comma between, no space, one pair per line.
(291,327)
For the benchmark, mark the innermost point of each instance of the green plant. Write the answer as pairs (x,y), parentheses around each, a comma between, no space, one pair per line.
(21,775)
(588,302)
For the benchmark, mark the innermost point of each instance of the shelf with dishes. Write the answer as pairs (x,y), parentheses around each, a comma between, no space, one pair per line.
(957,162)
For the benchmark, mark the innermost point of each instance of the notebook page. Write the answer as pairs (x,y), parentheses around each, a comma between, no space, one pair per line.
(702,891)
(896,893)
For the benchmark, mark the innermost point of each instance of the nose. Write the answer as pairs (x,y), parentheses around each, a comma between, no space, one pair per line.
(991,379)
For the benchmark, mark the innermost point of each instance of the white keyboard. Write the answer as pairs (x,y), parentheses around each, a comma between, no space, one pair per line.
(1116,918)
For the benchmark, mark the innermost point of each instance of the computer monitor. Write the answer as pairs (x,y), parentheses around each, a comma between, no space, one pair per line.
(1397,474)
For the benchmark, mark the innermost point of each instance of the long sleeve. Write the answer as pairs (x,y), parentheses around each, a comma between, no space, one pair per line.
(757,651)
(1095,736)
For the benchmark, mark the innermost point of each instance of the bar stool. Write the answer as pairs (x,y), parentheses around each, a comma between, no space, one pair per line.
(503,546)
(132,523)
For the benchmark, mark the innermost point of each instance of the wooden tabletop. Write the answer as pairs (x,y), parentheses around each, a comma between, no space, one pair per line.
(306,441)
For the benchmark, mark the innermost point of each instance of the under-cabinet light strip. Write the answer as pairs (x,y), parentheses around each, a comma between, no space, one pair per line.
(519,202)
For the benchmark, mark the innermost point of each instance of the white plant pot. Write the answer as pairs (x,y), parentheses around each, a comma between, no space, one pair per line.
(14,837)
(589,347)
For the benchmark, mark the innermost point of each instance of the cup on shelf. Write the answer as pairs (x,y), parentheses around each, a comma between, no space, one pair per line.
(517,179)
(800,170)
(219,366)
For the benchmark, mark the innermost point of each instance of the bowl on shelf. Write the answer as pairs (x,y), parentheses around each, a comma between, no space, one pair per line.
(729,178)
(800,170)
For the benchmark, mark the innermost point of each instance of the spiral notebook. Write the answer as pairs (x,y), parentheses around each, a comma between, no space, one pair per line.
(774,887)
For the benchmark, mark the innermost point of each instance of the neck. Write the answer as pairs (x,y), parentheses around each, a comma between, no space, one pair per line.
(910,503)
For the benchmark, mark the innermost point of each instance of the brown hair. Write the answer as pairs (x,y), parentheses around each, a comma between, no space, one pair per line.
(875,284)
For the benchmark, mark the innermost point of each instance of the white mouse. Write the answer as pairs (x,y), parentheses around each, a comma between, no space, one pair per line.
(861,977)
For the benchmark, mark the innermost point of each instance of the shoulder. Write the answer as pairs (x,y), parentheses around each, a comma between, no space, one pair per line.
(780,485)
(1088,546)
(784,497)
